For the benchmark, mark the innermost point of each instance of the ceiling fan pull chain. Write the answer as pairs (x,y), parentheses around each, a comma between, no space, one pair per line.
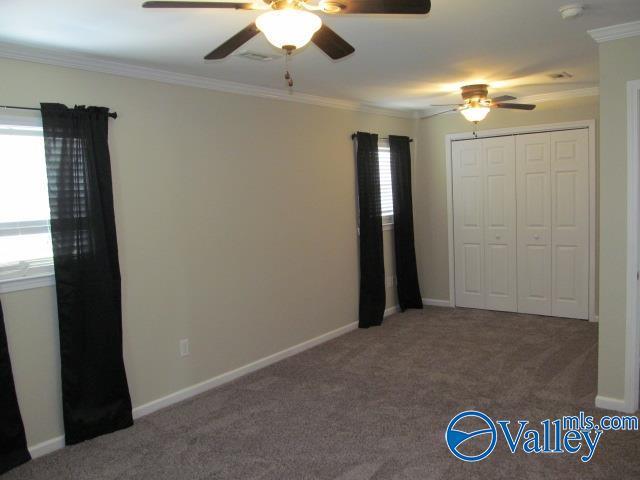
(287,75)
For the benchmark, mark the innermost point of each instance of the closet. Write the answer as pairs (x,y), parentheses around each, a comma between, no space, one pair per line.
(521,223)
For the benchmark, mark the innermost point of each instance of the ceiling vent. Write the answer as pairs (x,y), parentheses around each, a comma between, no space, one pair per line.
(560,75)
(261,57)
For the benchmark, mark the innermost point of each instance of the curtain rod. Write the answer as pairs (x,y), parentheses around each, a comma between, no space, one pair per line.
(113,115)
(380,138)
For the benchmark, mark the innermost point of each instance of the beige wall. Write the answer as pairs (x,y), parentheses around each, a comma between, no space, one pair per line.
(619,63)
(430,193)
(236,229)
(236,223)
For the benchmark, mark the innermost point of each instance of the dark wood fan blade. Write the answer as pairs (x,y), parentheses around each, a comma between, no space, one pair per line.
(234,42)
(331,43)
(503,98)
(417,7)
(515,106)
(237,6)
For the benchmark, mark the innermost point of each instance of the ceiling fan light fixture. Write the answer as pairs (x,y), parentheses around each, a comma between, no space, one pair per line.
(288,27)
(475,114)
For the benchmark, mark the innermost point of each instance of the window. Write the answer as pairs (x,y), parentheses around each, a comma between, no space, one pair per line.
(386,190)
(26,258)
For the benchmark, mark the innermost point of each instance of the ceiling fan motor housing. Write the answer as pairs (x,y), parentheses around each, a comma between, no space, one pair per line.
(475,96)
(282,4)
(475,92)
(332,7)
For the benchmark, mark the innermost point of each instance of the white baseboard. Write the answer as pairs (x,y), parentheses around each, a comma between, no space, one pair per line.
(391,310)
(617,404)
(434,302)
(44,448)
(425,301)
(57,443)
(201,387)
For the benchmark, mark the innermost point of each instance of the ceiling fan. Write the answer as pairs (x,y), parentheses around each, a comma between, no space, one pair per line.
(476,105)
(291,24)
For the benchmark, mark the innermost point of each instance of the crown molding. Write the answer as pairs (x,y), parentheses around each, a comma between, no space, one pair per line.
(560,95)
(89,63)
(615,32)
(540,98)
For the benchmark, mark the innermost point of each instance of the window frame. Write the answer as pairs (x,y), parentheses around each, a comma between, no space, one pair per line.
(38,275)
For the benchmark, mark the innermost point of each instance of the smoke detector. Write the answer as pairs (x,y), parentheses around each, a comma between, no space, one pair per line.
(569,12)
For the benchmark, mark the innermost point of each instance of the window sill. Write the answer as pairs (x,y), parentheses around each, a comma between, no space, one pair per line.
(385,227)
(27,283)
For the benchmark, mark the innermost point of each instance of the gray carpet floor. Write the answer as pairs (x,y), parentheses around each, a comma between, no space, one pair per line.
(372,404)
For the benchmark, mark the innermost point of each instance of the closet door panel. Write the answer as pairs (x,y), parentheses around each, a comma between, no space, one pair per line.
(570,223)
(534,223)
(500,268)
(468,207)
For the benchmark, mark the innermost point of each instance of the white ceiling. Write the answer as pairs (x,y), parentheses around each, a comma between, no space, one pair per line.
(406,62)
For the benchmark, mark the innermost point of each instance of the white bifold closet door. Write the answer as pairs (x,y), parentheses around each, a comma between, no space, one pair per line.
(552,171)
(521,223)
(570,224)
(533,166)
(485,223)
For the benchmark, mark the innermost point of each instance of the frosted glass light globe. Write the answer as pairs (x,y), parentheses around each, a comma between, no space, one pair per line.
(288,27)
(475,114)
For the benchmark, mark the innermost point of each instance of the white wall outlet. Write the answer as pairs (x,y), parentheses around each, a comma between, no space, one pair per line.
(184,347)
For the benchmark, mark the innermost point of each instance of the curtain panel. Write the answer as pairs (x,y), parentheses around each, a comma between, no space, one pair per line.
(405,254)
(94,384)
(13,443)
(372,289)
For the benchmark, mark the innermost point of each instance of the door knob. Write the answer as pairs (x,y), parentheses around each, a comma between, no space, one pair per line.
(536,237)
(498,237)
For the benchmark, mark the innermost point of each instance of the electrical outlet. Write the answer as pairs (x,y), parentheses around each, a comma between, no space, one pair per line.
(390,281)
(184,347)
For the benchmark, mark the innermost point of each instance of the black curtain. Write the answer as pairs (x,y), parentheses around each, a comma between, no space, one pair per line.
(13,443)
(95,394)
(372,293)
(406,270)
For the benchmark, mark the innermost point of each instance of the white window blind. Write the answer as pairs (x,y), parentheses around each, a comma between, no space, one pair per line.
(386,191)
(25,236)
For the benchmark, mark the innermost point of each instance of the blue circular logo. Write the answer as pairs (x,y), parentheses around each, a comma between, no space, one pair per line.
(456,438)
